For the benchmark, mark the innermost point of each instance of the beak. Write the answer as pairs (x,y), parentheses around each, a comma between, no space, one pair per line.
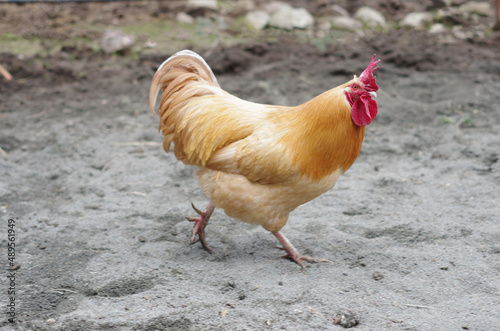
(373,94)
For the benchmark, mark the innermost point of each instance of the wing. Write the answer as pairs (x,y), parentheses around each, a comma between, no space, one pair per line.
(228,134)
(213,129)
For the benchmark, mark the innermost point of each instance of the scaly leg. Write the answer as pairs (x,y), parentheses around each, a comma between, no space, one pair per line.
(292,253)
(200,224)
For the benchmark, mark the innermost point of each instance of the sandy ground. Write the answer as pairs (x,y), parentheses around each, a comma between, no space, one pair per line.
(102,242)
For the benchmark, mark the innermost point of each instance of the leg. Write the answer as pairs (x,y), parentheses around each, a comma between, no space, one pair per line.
(292,253)
(200,224)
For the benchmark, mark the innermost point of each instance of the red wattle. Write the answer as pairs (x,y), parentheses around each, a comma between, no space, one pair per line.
(364,111)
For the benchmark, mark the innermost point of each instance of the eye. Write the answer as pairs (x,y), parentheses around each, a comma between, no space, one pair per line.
(354,86)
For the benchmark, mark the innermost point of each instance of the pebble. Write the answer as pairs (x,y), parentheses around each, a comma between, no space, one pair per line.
(417,20)
(460,34)
(437,28)
(115,41)
(50,321)
(287,17)
(301,18)
(184,18)
(281,16)
(258,19)
(336,9)
(370,17)
(273,6)
(345,319)
(209,4)
(479,8)
(238,8)
(377,275)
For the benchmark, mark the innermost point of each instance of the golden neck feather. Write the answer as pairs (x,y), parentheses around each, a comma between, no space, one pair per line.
(322,136)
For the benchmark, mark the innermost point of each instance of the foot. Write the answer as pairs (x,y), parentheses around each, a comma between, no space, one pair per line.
(200,223)
(293,254)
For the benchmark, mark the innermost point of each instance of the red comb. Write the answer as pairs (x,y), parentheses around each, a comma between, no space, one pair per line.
(367,77)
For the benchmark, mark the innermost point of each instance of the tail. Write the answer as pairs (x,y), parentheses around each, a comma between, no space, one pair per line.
(183,76)
(176,73)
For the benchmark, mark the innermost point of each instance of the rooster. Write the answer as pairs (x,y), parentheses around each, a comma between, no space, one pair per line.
(259,162)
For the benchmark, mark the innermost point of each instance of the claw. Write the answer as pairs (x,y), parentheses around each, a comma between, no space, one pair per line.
(293,254)
(199,212)
(302,258)
(200,224)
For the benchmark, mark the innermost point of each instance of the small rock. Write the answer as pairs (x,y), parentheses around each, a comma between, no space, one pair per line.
(150,44)
(287,17)
(184,18)
(223,313)
(115,41)
(336,9)
(345,319)
(281,17)
(450,16)
(370,17)
(479,8)
(238,7)
(301,18)
(50,321)
(14,268)
(209,4)
(274,6)
(416,20)
(437,28)
(460,34)
(377,275)
(141,238)
(257,19)
(346,23)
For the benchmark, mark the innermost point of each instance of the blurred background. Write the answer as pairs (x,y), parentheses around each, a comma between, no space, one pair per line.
(29,28)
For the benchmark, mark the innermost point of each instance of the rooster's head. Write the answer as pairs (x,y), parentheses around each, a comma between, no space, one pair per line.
(360,94)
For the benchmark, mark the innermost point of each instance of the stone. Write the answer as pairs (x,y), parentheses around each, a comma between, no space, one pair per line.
(184,18)
(370,17)
(237,8)
(209,4)
(346,23)
(301,18)
(437,28)
(450,16)
(257,19)
(460,34)
(417,20)
(339,10)
(287,17)
(116,41)
(274,6)
(479,8)
(281,17)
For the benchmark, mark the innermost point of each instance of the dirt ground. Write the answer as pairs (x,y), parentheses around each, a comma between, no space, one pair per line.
(102,242)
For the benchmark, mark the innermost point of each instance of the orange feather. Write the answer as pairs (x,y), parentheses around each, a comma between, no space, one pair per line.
(257,162)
